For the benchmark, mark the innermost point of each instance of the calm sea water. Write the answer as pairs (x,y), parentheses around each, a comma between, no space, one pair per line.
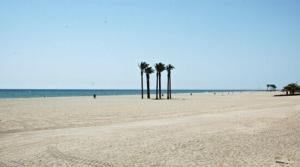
(28,93)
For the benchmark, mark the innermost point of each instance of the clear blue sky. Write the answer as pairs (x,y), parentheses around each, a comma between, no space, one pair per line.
(242,44)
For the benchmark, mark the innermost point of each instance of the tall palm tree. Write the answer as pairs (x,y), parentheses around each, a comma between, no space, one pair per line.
(148,71)
(160,67)
(142,67)
(157,74)
(169,68)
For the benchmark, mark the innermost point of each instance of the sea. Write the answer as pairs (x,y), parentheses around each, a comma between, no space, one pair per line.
(31,93)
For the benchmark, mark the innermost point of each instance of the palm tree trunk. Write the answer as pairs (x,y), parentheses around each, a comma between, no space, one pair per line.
(142,85)
(159,85)
(170,88)
(148,86)
(156,85)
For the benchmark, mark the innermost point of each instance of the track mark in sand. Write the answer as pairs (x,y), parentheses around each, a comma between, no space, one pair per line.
(76,160)
(282,162)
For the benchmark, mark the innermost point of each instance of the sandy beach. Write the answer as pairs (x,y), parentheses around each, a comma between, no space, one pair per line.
(240,129)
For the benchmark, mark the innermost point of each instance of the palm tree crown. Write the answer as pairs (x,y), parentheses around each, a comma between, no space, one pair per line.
(149,70)
(160,67)
(170,67)
(143,66)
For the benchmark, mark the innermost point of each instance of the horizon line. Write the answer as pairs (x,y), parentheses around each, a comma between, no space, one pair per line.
(122,89)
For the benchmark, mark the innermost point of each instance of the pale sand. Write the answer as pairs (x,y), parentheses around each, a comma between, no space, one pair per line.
(243,129)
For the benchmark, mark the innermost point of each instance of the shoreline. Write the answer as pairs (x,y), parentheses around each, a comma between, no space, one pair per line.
(152,94)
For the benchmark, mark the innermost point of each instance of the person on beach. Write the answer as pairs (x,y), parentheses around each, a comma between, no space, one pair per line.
(94,96)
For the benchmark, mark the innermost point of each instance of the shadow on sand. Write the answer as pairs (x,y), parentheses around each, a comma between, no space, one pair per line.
(298,94)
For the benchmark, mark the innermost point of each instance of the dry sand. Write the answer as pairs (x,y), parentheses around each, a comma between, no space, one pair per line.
(241,129)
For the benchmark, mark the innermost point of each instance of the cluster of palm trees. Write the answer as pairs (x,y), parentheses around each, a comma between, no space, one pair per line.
(291,88)
(159,68)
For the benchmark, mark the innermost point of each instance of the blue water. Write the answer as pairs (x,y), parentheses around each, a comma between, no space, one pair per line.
(28,93)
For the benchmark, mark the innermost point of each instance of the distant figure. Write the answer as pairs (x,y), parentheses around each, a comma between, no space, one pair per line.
(214,93)
(191,94)
(94,96)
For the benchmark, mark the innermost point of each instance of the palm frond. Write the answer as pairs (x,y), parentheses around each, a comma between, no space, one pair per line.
(160,67)
(143,65)
(149,70)
(170,67)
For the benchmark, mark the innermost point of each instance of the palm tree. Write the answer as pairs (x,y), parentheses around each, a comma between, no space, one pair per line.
(273,87)
(142,67)
(156,90)
(169,68)
(148,71)
(286,89)
(160,67)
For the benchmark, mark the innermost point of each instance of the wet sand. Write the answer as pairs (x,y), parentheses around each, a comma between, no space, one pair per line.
(240,129)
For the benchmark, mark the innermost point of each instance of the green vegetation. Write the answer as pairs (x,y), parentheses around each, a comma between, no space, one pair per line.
(291,88)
